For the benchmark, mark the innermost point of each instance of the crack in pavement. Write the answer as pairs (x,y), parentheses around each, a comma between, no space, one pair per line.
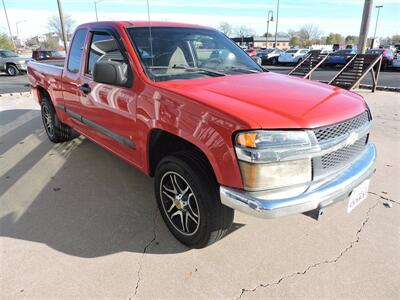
(384,198)
(352,243)
(140,263)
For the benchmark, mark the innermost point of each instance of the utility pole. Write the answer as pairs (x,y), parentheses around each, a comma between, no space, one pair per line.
(269,19)
(64,36)
(16,25)
(8,23)
(376,24)
(362,42)
(95,8)
(276,25)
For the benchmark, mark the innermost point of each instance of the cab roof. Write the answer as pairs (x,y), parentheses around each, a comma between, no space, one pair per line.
(144,24)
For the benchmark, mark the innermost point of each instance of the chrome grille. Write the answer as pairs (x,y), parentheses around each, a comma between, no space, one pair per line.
(333,131)
(343,156)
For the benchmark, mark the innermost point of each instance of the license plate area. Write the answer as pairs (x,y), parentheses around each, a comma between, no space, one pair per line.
(358,195)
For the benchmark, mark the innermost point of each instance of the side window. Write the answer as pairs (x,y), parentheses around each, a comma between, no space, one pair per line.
(75,51)
(104,47)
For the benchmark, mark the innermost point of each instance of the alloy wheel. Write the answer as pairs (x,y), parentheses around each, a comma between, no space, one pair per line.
(47,120)
(179,203)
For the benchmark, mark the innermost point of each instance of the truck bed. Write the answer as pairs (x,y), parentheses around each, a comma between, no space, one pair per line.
(44,73)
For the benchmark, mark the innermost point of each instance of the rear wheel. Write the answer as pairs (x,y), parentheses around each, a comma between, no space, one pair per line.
(57,131)
(12,70)
(188,198)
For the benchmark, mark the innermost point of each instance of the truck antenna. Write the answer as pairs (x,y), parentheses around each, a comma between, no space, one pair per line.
(150,36)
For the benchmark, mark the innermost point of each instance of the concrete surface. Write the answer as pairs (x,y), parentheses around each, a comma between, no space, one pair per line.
(78,222)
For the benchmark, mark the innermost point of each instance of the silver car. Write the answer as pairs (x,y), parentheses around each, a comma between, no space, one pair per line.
(12,63)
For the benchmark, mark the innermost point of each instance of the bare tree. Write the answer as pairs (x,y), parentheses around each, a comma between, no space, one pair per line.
(54,25)
(226,28)
(309,32)
(244,31)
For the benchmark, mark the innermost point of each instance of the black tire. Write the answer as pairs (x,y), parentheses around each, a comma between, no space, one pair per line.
(214,219)
(384,65)
(12,70)
(57,131)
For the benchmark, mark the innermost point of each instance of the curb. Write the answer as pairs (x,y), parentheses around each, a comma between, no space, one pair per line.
(16,94)
(378,88)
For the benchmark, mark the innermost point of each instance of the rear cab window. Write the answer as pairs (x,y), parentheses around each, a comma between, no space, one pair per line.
(76,50)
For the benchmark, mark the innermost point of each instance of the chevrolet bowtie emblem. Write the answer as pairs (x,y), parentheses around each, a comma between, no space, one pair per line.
(353,137)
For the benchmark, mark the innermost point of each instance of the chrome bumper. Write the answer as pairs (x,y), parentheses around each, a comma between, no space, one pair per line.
(333,191)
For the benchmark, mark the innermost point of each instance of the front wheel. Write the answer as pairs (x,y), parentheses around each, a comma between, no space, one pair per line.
(188,199)
(12,70)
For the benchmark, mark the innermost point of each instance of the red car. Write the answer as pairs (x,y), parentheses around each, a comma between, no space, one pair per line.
(215,130)
(47,55)
(387,56)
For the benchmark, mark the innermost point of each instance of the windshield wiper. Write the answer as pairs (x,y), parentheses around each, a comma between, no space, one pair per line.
(237,69)
(183,67)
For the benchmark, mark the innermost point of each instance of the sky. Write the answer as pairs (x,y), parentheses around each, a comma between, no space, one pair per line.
(338,16)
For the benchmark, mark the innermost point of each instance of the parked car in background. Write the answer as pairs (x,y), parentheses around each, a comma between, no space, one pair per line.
(12,63)
(339,57)
(396,61)
(253,54)
(47,55)
(270,56)
(387,56)
(292,56)
(216,131)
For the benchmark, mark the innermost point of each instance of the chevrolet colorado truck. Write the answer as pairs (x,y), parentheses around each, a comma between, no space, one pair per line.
(218,133)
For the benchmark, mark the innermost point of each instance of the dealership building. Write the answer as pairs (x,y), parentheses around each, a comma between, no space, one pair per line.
(261,42)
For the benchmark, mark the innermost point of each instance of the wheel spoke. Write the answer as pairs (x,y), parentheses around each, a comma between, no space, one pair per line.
(176,184)
(189,215)
(190,206)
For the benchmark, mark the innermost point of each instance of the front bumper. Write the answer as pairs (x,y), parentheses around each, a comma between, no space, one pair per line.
(333,191)
(22,67)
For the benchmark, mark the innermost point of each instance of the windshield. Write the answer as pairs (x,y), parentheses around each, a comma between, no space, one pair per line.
(188,53)
(374,51)
(56,53)
(343,52)
(7,53)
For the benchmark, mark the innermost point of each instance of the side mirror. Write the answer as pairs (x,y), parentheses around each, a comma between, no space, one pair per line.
(110,72)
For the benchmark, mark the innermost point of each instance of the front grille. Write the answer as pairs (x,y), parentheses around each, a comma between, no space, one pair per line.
(343,156)
(333,131)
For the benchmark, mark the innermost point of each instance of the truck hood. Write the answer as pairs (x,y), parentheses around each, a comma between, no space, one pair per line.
(271,100)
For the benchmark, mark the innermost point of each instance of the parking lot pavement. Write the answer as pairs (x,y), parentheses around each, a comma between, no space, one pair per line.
(16,84)
(389,78)
(76,221)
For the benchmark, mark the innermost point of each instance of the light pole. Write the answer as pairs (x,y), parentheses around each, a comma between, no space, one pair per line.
(8,23)
(269,19)
(95,8)
(362,41)
(64,36)
(16,25)
(376,24)
(276,25)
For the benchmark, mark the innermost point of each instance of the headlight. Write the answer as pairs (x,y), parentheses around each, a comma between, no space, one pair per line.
(263,159)
(258,177)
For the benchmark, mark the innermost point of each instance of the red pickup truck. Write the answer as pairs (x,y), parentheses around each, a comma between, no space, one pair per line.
(185,104)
